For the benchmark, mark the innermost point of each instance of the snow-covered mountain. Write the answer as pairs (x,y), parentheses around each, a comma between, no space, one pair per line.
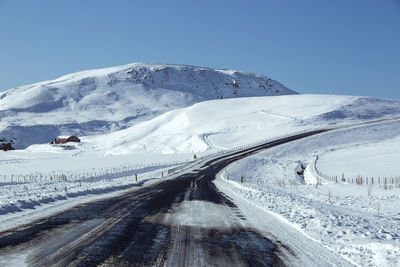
(101,101)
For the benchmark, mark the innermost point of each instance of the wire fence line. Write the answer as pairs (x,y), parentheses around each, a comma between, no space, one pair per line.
(385,182)
(170,167)
(166,168)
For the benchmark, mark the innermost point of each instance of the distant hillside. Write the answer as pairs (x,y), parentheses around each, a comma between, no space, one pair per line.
(234,122)
(101,101)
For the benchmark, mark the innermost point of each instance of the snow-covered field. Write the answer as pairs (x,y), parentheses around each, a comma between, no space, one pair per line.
(145,119)
(375,160)
(359,222)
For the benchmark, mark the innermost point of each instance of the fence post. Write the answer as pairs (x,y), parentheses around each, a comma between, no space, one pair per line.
(136,177)
(241,179)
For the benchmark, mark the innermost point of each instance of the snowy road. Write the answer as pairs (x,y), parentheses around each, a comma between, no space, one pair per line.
(185,221)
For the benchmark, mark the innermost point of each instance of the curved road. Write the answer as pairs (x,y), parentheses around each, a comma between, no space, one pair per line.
(184,221)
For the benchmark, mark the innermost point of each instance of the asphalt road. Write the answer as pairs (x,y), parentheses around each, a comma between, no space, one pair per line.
(184,221)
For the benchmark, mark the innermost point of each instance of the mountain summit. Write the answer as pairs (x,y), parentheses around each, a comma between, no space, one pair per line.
(100,101)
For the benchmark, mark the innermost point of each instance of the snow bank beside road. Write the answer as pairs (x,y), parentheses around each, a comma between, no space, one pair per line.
(364,229)
(46,174)
(28,192)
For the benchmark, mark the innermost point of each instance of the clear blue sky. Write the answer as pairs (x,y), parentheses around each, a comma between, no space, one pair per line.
(312,46)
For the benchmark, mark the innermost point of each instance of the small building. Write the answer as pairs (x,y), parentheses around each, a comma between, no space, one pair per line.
(73,138)
(6,144)
(59,140)
(63,140)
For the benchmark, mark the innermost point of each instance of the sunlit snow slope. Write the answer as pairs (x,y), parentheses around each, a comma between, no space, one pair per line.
(101,101)
(229,123)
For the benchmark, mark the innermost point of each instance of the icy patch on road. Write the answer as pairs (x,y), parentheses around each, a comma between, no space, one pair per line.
(17,259)
(187,214)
